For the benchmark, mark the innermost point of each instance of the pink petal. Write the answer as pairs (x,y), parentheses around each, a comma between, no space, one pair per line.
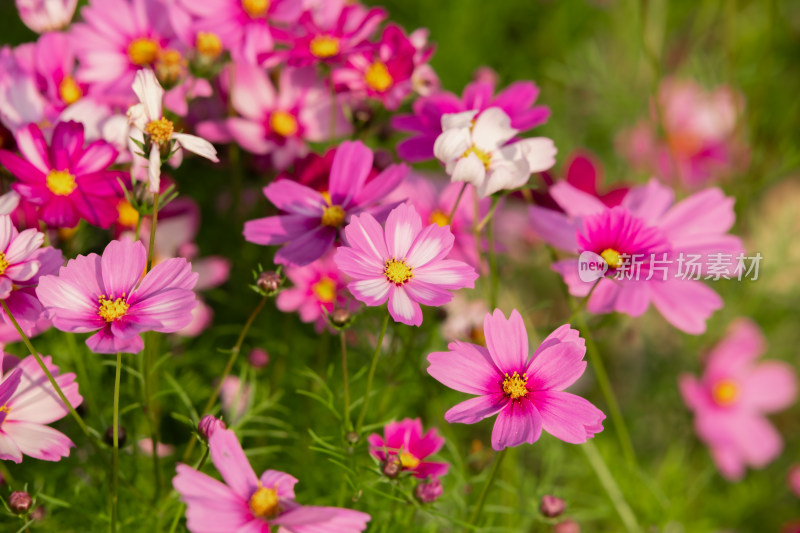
(372,292)
(671,297)
(402,227)
(229,458)
(431,245)
(296,198)
(211,506)
(366,235)
(476,409)
(568,417)
(447,274)
(507,340)
(574,201)
(402,308)
(466,368)
(351,166)
(770,387)
(122,265)
(519,422)
(554,228)
(38,441)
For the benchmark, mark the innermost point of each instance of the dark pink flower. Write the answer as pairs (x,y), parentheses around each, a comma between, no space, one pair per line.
(406,442)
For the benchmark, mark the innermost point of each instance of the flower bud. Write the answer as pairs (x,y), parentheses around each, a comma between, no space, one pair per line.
(269,282)
(429,492)
(20,502)
(567,526)
(258,357)
(340,317)
(121,436)
(208,425)
(352,438)
(551,506)
(38,513)
(392,466)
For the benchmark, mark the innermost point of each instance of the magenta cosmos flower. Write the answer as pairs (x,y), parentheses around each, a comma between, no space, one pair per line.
(29,404)
(405,441)
(405,264)
(425,124)
(313,219)
(67,180)
(646,223)
(526,392)
(249,504)
(109,295)
(732,397)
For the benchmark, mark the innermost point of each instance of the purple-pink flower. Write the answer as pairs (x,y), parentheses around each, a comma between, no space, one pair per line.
(109,295)
(253,504)
(404,441)
(313,220)
(525,391)
(29,403)
(405,264)
(730,400)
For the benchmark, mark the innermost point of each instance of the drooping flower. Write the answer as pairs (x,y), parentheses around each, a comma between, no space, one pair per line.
(516,101)
(28,403)
(46,15)
(67,180)
(405,441)
(476,151)
(404,264)
(660,237)
(109,295)
(245,502)
(313,220)
(525,391)
(730,400)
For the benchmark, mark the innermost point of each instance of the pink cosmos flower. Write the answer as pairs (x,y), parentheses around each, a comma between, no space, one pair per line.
(405,264)
(730,400)
(247,503)
(46,15)
(405,441)
(313,220)
(647,224)
(109,295)
(526,391)
(516,101)
(29,403)
(584,172)
(67,180)
(318,289)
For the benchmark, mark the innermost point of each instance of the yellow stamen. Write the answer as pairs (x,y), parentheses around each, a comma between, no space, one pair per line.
(143,51)
(378,77)
(127,215)
(61,182)
(398,272)
(5,409)
(408,460)
(255,8)
(485,157)
(160,130)
(169,67)
(283,123)
(69,91)
(325,290)
(111,310)
(208,44)
(725,392)
(3,263)
(612,257)
(264,502)
(439,218)
(324,46)
(333,216)
(516,385)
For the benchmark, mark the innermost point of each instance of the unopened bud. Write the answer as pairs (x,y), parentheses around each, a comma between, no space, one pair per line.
(20,502)
(340,317)
(392,466)
(429,492)
(258,357)
(121,436)
(269,282)
(38,513)
(551,506)
(567,526)
(208,425)
(352,437)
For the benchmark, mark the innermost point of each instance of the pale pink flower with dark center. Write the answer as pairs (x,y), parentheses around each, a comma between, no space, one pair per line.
(404,441)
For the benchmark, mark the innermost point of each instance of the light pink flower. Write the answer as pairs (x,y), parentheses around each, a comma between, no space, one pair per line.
(406,442)
(109,294)
(246,503)
(405,264)
(525,391)
(730,400)
(235,397)
(29,402)
(46,15)
(146,447)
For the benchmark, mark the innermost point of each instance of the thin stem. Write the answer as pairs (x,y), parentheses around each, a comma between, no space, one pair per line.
(139,226)
(115,453)
(478,510)
(347,422)
(489,216)
(610,485)
(371,375)
(228,367)
(493,274)
(455,205)
(151,411)
(151,249)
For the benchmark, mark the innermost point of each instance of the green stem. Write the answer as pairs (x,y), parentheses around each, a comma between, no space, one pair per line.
(455,204)
(151,410)
(489,216)
(115,453)
(228,367)
(610,485)
(347,423)
(151,249)
(478,510)
(371,375)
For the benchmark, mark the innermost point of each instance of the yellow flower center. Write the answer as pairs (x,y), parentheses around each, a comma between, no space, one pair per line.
(408,460)
(169,66)
(283,123)
(60,182)
(255,8)
(69,91)
(325,290)
(111,310)
(264,502)
(160,130)
(612,257)
(516,385)
(378,77)
(143,51)
(439,218)
(333,216)
(485,157)
(3,263)
(725,392)
(398,272)
(208,44)
(126,215)
(324,46)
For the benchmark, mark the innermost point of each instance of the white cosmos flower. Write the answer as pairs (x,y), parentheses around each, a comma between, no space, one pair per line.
(477,151)
(147,117)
